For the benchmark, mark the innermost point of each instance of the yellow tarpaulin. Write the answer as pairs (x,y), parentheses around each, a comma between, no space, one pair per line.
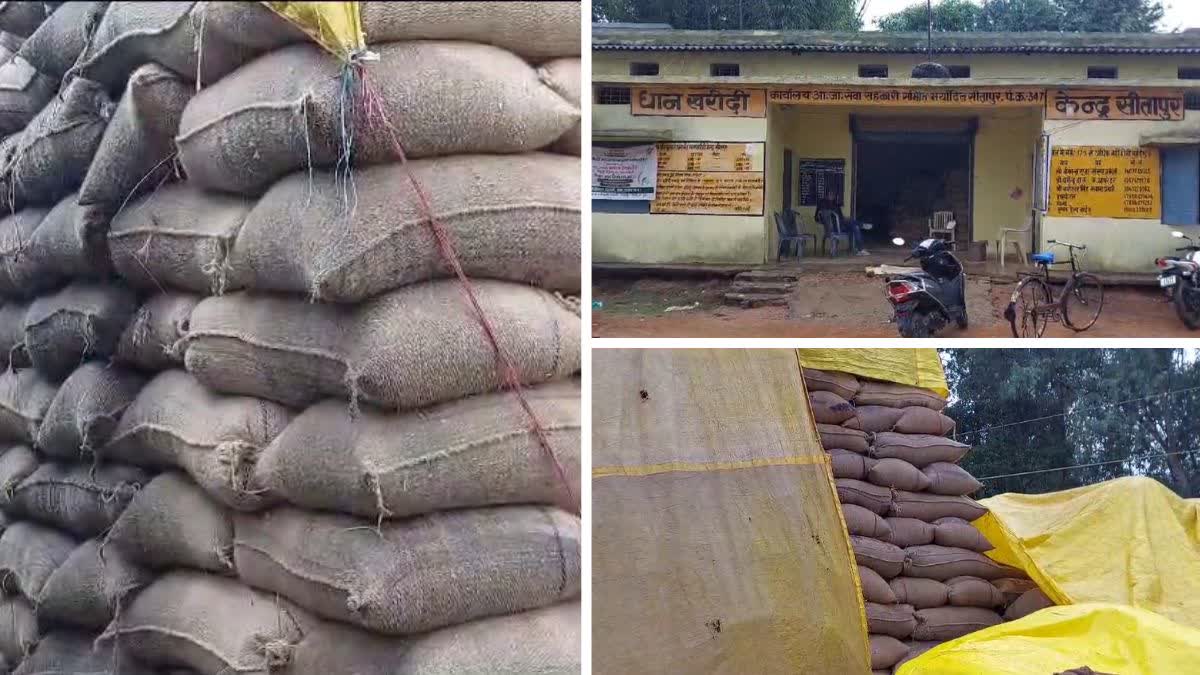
(914,367)
(336,26)
(1107,638)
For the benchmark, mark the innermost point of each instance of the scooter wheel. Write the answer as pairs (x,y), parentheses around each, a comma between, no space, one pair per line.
(961,320)
(913,326)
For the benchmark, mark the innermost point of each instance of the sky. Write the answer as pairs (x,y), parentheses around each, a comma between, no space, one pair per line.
(1180,13)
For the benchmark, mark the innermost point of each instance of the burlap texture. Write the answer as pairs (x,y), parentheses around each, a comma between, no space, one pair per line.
(1027,603)
(149,340)
(847,464)
(874,587)
(23,91)
(920,450)
(57,43)
(85,590)
(920,593)
(67,243)
(564,77)
(959,533)
(18,628)
(930,508)
(25,396)
(79,322)
(85,411)
(12,335)
(897,396)
(77,498)
(874,418)
(947,623)
(973,592)
(897,621)
(842,384)
(884,558)
(29,554)
(833,436)
(829,408)
(17,463)
(864,522)
(950,479)
(22,18)
(898,474)
(65,651)
(943,563)
(871,497)
(910,532)
(886,651)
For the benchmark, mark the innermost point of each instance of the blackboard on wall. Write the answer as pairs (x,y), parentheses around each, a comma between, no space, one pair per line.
(820,178)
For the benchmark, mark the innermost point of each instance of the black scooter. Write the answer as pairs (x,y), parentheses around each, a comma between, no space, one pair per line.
(924,302)
(1179,276)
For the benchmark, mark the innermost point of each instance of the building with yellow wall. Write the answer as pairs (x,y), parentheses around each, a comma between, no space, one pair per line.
(1089,138)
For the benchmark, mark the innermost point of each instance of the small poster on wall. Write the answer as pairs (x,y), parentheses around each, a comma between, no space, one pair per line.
(1105,182)
(710,178)
(624,173)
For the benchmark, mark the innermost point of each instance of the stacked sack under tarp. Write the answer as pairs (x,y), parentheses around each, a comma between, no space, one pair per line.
(254,422)
(924,576)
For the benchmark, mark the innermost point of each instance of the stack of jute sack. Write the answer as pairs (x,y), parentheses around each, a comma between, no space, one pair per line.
(255,419)
(924,576)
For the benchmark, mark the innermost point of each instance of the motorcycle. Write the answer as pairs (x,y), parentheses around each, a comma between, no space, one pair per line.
(1179,276)
(924,302)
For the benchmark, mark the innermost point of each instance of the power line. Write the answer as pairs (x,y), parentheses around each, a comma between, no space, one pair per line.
(1080,410)
(1085,466)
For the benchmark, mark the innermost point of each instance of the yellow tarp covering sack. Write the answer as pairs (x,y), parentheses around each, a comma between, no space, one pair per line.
(1129,541)
(336,26)
(717,541)
(914,367)
(1105,637)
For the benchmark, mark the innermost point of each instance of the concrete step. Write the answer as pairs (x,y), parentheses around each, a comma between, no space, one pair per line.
(769,276)
(756,299)
(768,287)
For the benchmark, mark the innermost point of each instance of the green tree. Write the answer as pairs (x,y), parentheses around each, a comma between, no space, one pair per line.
(948,15)
(1072,16)
(1110,16)
(735,14)
(1019,16)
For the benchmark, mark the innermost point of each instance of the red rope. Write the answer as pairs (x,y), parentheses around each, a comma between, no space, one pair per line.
(372,105)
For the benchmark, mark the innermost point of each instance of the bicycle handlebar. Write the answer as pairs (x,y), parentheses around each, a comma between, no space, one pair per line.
(1068,244)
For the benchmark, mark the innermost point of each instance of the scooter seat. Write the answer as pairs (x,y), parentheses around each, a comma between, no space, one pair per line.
(1043,257)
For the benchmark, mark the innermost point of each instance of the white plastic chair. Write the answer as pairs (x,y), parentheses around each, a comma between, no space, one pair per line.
(942,225)
(1002,247)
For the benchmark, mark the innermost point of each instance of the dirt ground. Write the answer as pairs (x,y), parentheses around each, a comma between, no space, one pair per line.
(841,305)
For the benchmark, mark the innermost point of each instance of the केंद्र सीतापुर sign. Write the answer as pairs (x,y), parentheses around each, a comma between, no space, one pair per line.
(698,101)
(710,178)
(1161,105)
(1105,182)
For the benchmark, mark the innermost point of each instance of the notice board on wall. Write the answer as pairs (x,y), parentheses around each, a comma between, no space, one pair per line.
(821,178)
(1105,182)
(710,178)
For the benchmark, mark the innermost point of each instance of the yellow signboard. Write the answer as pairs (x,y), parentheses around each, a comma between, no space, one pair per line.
(1115,104)
(710,157)
(698,101)
(729,193)
(1105,182)
(940,97)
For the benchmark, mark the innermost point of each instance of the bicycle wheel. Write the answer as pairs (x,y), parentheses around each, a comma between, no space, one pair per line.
(1082,300)
(1023,313)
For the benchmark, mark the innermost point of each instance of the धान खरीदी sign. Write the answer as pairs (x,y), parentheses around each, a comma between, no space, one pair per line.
(958,97)
(698,101)
(1105,182)
(724,193)
(1115,104)
(710,156)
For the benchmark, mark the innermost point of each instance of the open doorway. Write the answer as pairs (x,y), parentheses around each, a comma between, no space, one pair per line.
(901,179)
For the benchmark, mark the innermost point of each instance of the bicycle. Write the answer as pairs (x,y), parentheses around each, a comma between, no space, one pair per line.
(1035,306)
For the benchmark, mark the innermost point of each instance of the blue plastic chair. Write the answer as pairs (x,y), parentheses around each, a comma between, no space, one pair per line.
(788,237)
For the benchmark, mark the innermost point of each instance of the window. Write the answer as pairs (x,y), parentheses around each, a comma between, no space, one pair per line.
(1181,186)
(1191,100)
(960,71)
(725,70)
(1189,73)
(873,71)
(1102,72)
(612,96)
(643,69)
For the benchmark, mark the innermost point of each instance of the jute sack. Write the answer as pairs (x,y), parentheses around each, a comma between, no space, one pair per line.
(77,498)
(86,590)
(24,92)
(254,127)
(1029,602)
(950,479)
(16,464)
(842,384)
(873,418)
(57,43)
(535,30)
(512,217)
(172,34)
(921,420)
(79,322)
(943,563)
(86,409)
(564,77)
(910,532)
(10,44)
(149,340)
(958,533)
(930,508)
(920,450)
(29,554)
(897,396)
(884,558)
(874,587)
(135,154)
(833,436)
(177,237)
(864,523)
(915,649)
(413,575)
(947,623)
(477,451)
(172,523)
(24,398)
(177,422)
(68,243)
(871,497)
(409,348)
(63,651)
(829,408)
(920,593)
(973,592)
(896,473)
(16,238)
(1012,589)
(848,464)
(22,18)
(886,651)
(18,629)
(49,158)
(898,621)
(12,336)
